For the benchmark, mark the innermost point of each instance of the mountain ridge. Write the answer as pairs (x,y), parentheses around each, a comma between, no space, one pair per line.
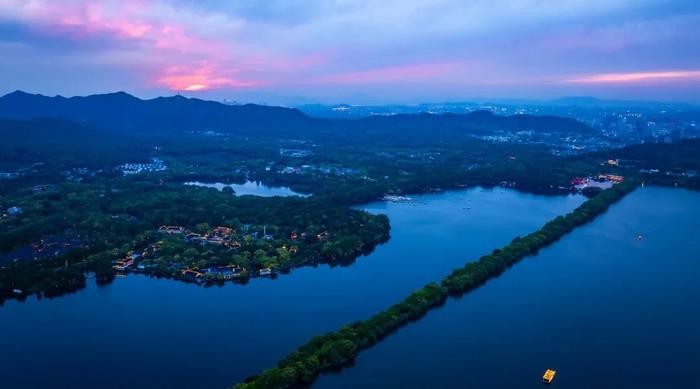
(120,111)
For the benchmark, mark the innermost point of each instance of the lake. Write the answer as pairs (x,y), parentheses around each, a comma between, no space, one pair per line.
(143,332)
(601,307)
(253,188)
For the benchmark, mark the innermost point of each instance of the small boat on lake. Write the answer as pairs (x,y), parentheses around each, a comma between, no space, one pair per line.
(548,376)
(397,199)
(265,271)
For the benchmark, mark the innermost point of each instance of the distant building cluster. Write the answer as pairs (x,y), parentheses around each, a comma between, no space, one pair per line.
(326,170)
(78,174)
(617,125)
(156,165)
(295,153)
(603,181)
(559,145)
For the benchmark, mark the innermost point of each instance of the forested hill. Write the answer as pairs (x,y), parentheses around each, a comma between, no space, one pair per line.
(125,113)
(34,140)
(677,156)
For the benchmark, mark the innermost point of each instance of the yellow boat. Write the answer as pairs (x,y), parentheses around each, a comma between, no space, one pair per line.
(548,376)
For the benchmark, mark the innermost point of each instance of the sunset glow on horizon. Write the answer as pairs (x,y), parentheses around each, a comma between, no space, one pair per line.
(195,87)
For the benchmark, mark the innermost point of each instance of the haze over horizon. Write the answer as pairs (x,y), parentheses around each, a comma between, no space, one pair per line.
(293,52)
(301,102)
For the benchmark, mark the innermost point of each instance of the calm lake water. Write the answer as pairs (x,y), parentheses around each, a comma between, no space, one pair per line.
(602,308)
(250,188)
(143,332)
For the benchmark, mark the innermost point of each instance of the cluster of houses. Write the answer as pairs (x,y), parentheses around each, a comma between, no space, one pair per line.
(295,153)
(219,236)
(137,259)
(297,236)
(215,272)
(78,174)
(325,170)
(125,263)
(194,274)
(225,235)
(221,273)
(222,236)
(603,181)
(612,178)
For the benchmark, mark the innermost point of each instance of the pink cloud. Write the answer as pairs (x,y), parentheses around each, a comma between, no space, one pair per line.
(635,77)
(179,51)
(130,20)
(82,19)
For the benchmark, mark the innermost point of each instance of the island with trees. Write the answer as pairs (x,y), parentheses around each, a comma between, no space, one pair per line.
(215,236)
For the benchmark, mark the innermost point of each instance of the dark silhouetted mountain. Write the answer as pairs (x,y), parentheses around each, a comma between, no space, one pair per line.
(477,122)
(40,139)
(125,113)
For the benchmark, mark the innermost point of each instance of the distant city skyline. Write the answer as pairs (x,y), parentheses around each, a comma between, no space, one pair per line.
(354,51)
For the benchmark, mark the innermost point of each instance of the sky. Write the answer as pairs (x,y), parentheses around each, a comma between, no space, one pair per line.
(353,51)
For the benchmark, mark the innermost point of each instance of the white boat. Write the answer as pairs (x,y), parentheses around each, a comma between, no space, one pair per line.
(265,272)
